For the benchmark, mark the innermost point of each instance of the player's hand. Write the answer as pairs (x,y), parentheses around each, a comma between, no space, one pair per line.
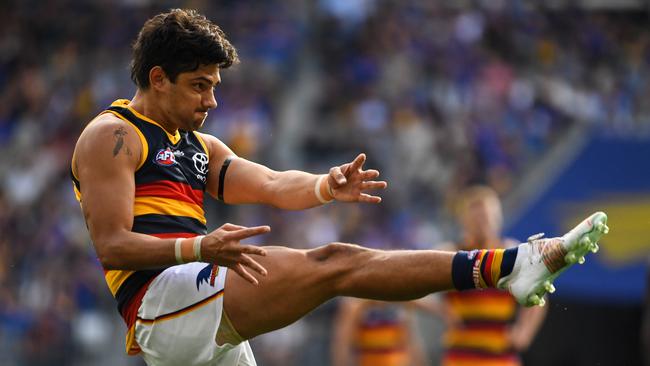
(349,182)
(223,248)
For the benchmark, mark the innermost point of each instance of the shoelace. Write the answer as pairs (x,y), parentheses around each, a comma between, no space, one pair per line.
(536,244)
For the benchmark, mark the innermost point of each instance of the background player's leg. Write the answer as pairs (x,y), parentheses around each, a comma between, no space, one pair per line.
(300,280)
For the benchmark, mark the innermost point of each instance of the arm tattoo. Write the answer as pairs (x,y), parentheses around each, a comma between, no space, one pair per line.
(119,135)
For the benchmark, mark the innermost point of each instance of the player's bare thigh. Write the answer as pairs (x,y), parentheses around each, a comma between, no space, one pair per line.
(298,281)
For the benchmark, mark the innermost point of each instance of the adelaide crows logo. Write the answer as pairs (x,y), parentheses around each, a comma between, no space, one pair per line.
(207,274)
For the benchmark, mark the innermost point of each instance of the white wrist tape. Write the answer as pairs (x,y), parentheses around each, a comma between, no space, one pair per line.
(197,248)
(177,251)
(317,190)
(330,191)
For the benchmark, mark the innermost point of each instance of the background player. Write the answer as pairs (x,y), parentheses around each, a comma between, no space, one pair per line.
(375,333)
(488,327)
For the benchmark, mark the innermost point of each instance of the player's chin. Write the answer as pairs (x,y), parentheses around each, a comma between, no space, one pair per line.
(198,121)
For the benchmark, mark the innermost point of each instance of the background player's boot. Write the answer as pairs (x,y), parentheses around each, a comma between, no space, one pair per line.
(540,261)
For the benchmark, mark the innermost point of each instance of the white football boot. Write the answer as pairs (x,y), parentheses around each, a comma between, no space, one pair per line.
(540,261)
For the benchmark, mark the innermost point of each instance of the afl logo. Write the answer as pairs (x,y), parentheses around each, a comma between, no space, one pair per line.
(165,157)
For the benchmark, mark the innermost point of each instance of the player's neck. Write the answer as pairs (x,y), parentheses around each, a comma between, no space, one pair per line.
(147,105)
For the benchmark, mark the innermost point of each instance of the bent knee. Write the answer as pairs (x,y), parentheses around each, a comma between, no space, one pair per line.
(334,250)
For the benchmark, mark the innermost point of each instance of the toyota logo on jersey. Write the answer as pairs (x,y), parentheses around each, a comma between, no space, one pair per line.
(200,162)
(165,157)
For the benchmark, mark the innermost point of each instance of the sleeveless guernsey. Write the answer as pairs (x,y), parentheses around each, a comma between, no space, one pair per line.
(169,187)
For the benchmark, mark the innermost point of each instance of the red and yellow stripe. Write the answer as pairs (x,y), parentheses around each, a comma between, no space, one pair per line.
(168,189)
(145,205)
(494,340)
(382,345)
(485,274)
(495,272)
(472,360)
(486,307)
(381,337)
(487,267)
(389,358)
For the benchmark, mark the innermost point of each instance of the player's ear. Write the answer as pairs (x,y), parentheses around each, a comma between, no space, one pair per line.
(157,78)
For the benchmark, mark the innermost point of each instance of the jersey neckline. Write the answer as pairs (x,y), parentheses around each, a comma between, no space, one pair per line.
(125,103)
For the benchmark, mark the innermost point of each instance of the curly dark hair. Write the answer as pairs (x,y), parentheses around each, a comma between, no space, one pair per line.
(179,41)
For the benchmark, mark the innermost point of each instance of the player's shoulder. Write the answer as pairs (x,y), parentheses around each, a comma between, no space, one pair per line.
(105,123)
(107,132)
(105,129)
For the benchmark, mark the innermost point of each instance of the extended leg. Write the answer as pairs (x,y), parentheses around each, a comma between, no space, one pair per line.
(300,280)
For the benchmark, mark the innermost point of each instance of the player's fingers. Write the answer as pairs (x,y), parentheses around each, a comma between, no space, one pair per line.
(231,227)
(373,185)
(363,197)
(254,265)
(358,162)
(240,270)
(251,249)
(337,177)
(369,174)
(247,232)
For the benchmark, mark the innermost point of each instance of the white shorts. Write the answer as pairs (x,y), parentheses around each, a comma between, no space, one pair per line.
(179,318)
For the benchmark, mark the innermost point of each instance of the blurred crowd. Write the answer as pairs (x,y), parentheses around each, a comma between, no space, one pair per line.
(437,96)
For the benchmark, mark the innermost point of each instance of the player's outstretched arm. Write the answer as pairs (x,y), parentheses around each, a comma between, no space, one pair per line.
(105,160)
(248,182)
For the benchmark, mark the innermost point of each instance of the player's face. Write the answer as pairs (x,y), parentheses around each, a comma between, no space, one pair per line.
(192,96)
(482,218)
